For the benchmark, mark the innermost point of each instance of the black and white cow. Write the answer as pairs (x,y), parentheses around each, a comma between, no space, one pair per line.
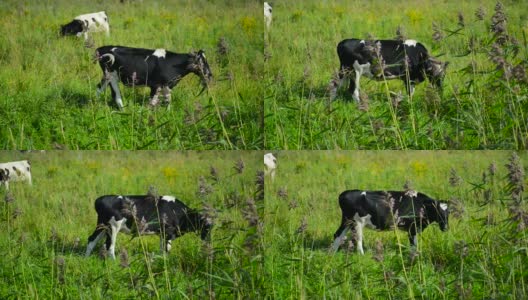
(15,171)
(158,69)
(267,15)
(142,215)
(384,210)
(388,59)
(84,24)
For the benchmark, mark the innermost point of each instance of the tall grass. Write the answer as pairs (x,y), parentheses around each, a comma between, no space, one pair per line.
(482,255)
(48,83)
(482,105)
(45,227)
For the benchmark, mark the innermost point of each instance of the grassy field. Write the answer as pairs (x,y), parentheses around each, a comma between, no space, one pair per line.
(48,83)
(482,255)
(483,104)
(45,227)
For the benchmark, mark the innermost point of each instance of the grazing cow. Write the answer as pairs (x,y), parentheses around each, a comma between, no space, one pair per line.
(158,69)
(15,171)
(146,214)
(4,178)
(388,59)
(408,210)
(267,15)
(270,164)
(87,23)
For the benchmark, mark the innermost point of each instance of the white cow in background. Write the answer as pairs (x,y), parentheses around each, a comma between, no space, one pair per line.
(267,15)
(270,164)
(15,171)
(87,23)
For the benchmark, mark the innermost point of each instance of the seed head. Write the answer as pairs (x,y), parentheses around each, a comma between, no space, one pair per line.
(123,258)
(516,177)
(437,33)
(214,174)
(378,251)
(61,268)
(239,166)
(400,34)
(302,227)
(461,22)
(461,248)
(454,179)
(9,198)
(282,193)
(221,47)
(480,13)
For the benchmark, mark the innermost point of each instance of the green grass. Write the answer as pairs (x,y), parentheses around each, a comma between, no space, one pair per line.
(48,83)
(45,229)
(478,109)
(482,255)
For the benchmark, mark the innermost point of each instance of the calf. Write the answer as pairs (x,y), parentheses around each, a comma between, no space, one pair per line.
(15,171)
(158,69)
(388,59)
(270,164)
(87,23)
(267,15)
(146,214)
(408,210)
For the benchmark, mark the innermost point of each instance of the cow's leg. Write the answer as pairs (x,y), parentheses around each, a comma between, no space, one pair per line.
(115,227)
(354,88)
(342,75)
(166,92)
(94,239)
(413,235)
(359,236)
(85,36)
(116,94)
(6,183)
(340,234)
(101,86)
(272,174)
(409,86)
(154,96)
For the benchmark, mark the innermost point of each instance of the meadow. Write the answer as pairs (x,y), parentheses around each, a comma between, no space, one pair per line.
(483,255)
(45,227)
(483,104)
(48,83)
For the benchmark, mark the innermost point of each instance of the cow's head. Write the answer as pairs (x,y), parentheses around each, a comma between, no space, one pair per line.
(72,28)
(442,214)
(4,175)
(200,67)
(435,71)
(198,222)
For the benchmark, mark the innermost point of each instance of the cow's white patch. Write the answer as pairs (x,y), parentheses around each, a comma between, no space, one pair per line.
(361,222)
(362,42)
(114,84)
(168,198)
(160,53)
(113,49)
(360,70)
(364,193)
(410,43)
(443,206)
(364,221)
(115,227)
